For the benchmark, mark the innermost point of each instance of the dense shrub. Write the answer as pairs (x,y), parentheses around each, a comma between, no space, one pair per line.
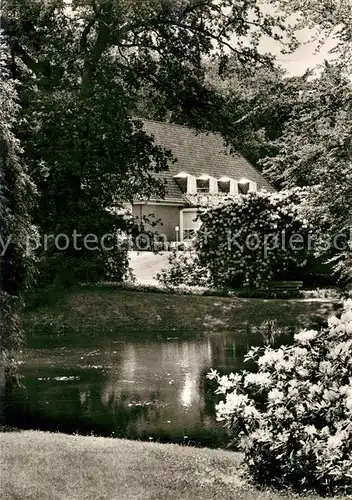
(323,294)
(87,267)
(184,269)
(247,241)
(293,417)
(170,289)
(333,236)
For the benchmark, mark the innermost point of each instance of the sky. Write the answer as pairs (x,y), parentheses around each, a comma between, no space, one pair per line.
(303,58)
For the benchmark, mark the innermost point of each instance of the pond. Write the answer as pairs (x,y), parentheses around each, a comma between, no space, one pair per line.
(148,387)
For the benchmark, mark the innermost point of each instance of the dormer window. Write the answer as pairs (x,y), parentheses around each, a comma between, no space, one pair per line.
(227,185)
(246,186)
(186,182)
(243,186)
(207,184)
(203,184)
(181,180)
(224,185)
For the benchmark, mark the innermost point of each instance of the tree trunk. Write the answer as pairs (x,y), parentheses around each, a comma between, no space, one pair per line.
(2,389)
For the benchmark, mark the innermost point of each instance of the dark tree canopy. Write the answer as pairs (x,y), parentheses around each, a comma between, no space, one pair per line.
(16,198)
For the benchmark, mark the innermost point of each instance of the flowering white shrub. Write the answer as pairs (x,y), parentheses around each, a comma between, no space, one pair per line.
(293,417)
(184,269)
(254,238)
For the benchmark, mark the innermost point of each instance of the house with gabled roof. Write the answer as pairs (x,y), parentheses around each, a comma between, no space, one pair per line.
(205,173)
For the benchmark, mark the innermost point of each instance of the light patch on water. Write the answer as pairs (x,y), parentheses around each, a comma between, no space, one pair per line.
(65,379)
(59,379)
(146,403)
(189,392)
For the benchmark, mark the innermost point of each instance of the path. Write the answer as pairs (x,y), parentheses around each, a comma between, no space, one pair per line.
(146,265)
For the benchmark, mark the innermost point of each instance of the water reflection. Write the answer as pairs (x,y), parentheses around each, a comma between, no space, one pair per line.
(164,378)
(154,388)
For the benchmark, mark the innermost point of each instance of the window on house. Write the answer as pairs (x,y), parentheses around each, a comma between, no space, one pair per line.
(189,223)
(203,184)
(243,186)
(186,182)
(224,185)
(181,180)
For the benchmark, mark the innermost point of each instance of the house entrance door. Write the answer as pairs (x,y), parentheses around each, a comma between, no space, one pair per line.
(189,224)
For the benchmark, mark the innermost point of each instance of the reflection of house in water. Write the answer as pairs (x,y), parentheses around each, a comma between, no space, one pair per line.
(166,377)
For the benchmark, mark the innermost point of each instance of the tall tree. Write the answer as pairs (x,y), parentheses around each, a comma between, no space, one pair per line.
(16,195)
(315,151)
(259,101)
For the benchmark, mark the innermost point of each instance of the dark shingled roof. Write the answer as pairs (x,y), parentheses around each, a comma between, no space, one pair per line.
(200,153)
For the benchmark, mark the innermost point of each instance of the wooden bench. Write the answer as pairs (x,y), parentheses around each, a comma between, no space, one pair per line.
(284,285)
(283,288)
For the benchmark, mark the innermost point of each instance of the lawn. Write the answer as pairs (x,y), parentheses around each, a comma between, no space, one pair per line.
(44,466)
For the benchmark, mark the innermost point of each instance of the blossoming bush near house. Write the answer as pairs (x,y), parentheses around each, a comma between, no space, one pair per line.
(258,237)
(184,269)
(293,418)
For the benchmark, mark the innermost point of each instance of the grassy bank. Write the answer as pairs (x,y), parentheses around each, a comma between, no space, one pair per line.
(103,310)
(43,466)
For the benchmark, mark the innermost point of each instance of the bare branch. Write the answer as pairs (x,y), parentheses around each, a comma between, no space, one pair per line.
(192,8)
(85,32)
(101,44)
(29,61)
(203,32)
